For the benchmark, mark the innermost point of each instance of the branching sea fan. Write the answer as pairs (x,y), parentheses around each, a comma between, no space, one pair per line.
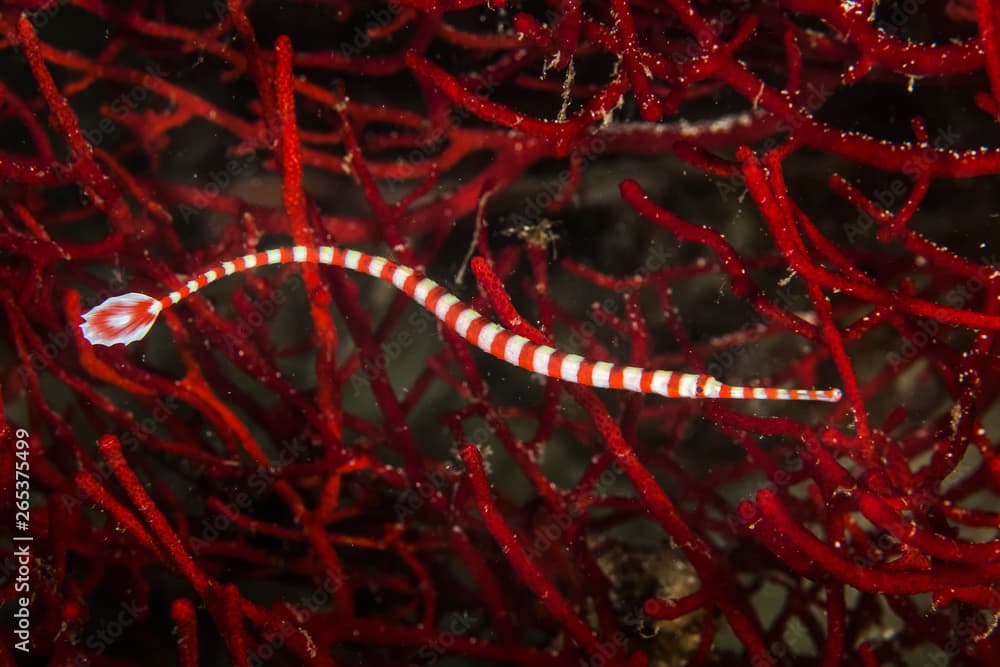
(302,465)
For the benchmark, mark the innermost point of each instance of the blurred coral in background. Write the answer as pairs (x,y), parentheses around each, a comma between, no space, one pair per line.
(299,466)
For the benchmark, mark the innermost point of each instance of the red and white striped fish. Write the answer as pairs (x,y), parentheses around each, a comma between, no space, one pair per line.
(129,317)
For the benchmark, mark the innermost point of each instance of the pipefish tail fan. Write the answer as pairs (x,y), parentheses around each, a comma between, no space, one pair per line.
(121,319)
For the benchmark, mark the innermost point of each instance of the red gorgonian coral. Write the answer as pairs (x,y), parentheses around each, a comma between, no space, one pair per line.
(299,466)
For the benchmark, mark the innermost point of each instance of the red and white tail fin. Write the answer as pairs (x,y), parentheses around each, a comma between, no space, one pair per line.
(120,319)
